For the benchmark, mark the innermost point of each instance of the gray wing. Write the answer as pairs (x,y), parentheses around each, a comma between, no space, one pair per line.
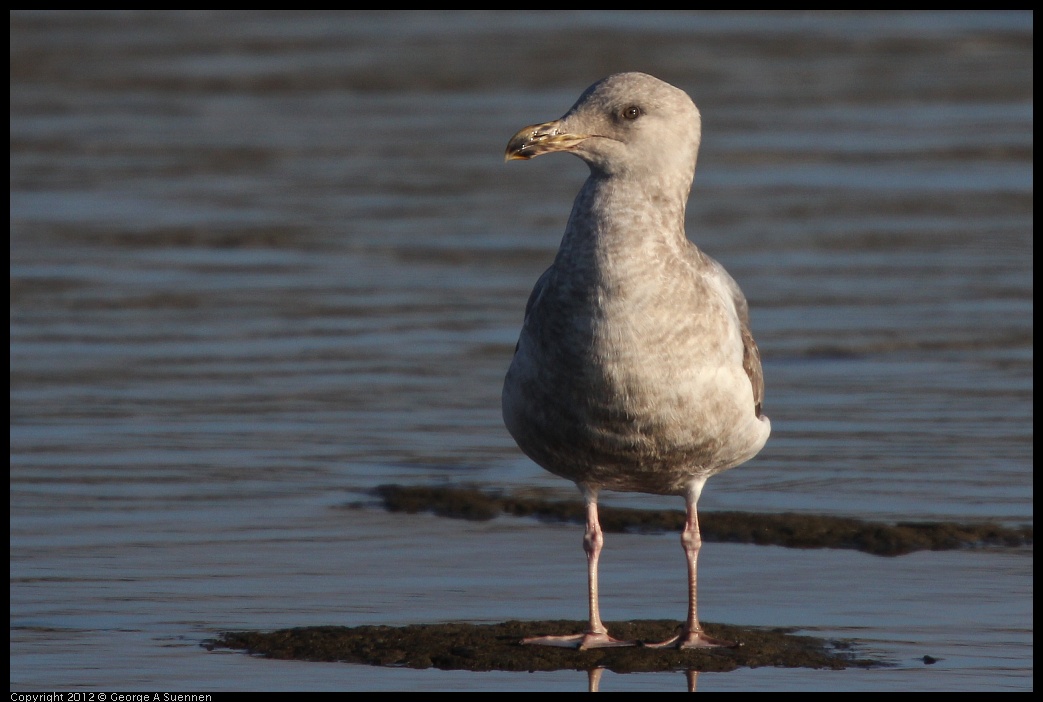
(751,355)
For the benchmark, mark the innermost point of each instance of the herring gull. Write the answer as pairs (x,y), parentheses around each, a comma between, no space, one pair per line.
(635,369)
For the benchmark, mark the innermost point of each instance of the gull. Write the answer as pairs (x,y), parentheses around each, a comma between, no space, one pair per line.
(635,369)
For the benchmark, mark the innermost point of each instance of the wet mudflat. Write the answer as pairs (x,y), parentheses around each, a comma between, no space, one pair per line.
(458,646)
(790,530)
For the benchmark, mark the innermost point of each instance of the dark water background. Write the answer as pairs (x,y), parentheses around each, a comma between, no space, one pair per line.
(262,261)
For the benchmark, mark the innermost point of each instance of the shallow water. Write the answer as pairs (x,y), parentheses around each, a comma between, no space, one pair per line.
(261,262)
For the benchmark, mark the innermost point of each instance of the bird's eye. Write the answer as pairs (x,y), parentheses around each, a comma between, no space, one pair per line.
(632,112)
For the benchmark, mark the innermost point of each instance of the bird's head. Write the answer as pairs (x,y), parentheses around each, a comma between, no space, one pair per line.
(626,123)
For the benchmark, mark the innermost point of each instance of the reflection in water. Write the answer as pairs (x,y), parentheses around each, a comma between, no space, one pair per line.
(594,679)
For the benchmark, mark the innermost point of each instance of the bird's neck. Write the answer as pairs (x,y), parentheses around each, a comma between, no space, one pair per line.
(646,218)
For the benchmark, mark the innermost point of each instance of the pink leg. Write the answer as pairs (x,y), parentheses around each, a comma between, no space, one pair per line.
(693,635)
(596,635)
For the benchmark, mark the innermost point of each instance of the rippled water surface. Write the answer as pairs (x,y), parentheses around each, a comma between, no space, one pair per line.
(261,262)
